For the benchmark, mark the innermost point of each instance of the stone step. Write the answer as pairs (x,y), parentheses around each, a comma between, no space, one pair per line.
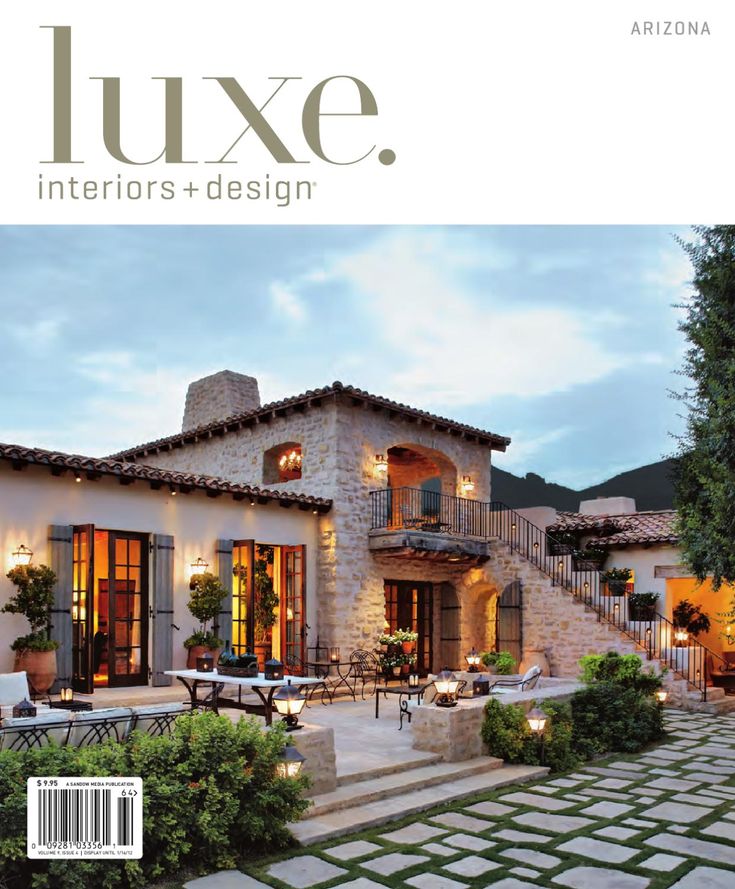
(380,811)
(361,792)
(418,760)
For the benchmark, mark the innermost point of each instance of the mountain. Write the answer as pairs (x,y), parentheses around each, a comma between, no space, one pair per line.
(650,486)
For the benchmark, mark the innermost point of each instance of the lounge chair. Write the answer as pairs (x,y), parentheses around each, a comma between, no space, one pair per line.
(526,682)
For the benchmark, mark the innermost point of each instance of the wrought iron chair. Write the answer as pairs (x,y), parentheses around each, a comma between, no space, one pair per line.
(526,682)
(365,668)
(297,667)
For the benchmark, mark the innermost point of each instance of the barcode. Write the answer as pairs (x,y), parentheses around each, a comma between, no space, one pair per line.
(85,817)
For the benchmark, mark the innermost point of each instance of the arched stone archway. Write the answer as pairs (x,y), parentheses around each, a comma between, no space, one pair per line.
(479,616)
(417,466)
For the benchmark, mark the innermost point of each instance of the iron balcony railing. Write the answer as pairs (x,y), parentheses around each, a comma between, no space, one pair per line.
(415,509)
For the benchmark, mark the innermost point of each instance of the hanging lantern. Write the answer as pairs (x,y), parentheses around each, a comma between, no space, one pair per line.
(289,703)
(446,684)
(290,763)
(22,556)
(473,661)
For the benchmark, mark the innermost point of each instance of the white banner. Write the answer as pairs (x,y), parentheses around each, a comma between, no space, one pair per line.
(175,111)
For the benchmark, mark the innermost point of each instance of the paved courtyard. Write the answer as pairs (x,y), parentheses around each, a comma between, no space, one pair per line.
(660,819)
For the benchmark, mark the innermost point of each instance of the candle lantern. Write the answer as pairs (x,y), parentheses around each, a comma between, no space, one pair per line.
(67,694)
(289,703)
(446,689)
(273,669)
(290,763)
(473,661)
(480,687)
(24,710)
(205,663)
(334,654)
(413,680)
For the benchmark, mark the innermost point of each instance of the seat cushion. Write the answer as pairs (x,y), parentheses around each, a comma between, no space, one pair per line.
(13,688)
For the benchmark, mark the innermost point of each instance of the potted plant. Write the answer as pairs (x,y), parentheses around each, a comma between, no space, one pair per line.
(406,639)
(562,543)
(616,579)
(204,605)
(642,606)
(501,662)
(688,620)
(591,558)
(34,653)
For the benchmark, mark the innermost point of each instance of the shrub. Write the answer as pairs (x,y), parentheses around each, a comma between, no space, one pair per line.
(625,670)
(34,600)
(506,732)
(210,794)
(503,661)
(609,716)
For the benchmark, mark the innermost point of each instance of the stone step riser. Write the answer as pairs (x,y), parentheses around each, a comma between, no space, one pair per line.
(383,771)
(415,779)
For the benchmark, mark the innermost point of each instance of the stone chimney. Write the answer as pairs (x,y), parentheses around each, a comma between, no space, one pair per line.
(219,396)
(608,506)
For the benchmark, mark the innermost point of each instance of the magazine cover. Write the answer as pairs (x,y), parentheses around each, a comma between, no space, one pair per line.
(367,445)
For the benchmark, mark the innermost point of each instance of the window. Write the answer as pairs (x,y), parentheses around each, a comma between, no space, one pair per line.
(282,463)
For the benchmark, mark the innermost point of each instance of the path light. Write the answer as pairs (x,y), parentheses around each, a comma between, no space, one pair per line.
(661,696)
(473,661)
(289,703)
(289,763)
(22,556)
(381,465)
(446,684)
(198,567)
(537,720)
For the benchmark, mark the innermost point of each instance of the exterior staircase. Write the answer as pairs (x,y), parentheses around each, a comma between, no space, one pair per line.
(378,796)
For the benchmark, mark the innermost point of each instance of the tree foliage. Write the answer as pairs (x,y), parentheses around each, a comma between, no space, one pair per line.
(705,465)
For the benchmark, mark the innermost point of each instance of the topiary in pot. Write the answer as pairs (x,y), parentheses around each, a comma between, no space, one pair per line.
(36,652)
(204,605)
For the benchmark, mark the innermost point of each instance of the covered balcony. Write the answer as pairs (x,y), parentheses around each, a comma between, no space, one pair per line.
(417,523)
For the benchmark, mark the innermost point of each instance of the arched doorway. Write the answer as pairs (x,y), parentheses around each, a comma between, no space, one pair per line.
(509,632)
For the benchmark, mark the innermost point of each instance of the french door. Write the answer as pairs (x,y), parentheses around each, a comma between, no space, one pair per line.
(110,608)
(408,606)
(293,604)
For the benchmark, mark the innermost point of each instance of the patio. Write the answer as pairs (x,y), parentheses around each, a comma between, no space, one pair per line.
(664,818)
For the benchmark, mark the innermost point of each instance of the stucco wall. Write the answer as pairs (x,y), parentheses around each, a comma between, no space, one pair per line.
(33,499)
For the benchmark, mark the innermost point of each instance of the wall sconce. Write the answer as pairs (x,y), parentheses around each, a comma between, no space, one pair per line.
(198,567)
(468,486)
(661,696)
(473,661)
(681,637)
(289,763)
(446,689)
(22,556)
(67,694)
(77,478)
(535,545)
(381,465)
(289,703)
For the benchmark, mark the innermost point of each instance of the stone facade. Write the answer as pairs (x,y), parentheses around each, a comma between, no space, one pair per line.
(218,396)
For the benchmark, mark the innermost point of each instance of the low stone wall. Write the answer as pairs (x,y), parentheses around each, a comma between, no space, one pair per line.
(454,732)
(316,743)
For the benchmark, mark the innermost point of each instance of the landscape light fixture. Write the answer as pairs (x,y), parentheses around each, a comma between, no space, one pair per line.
(289,703)
(473,661)
(446,684)
(289,763)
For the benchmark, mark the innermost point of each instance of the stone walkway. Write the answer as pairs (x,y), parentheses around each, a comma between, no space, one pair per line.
(665,818)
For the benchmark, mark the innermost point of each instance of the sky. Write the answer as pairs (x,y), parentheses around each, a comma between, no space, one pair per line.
(563,338)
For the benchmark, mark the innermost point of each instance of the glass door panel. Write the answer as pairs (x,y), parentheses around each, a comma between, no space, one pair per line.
(293,604)
(242,596)
(128,659)
(82,608)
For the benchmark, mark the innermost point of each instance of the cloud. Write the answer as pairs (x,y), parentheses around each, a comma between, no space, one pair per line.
(286,303)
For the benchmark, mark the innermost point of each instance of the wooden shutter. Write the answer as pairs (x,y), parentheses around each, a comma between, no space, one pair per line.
(223,623)
(60,561)
(163,607)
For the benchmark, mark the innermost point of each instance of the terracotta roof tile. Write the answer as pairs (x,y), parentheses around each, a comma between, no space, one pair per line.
(60,463)
(311,398)
(621,530)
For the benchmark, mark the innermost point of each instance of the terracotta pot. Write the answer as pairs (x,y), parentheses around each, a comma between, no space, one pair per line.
(407,647)
(198,651)
(406,669)
(535,657)
(263,653)
(397,671)
(40,667)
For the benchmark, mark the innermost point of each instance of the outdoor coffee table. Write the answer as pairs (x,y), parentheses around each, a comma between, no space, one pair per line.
(344,672)
(405,693)
(263,688)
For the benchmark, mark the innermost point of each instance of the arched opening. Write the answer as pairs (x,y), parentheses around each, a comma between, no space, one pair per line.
(282,463)
(479,618)
(418,478)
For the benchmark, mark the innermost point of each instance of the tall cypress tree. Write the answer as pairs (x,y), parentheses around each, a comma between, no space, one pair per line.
(705,465)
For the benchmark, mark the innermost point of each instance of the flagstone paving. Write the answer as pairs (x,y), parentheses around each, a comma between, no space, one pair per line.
(653,821)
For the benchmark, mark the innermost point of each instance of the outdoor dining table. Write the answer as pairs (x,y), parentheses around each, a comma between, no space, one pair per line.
(263,688)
